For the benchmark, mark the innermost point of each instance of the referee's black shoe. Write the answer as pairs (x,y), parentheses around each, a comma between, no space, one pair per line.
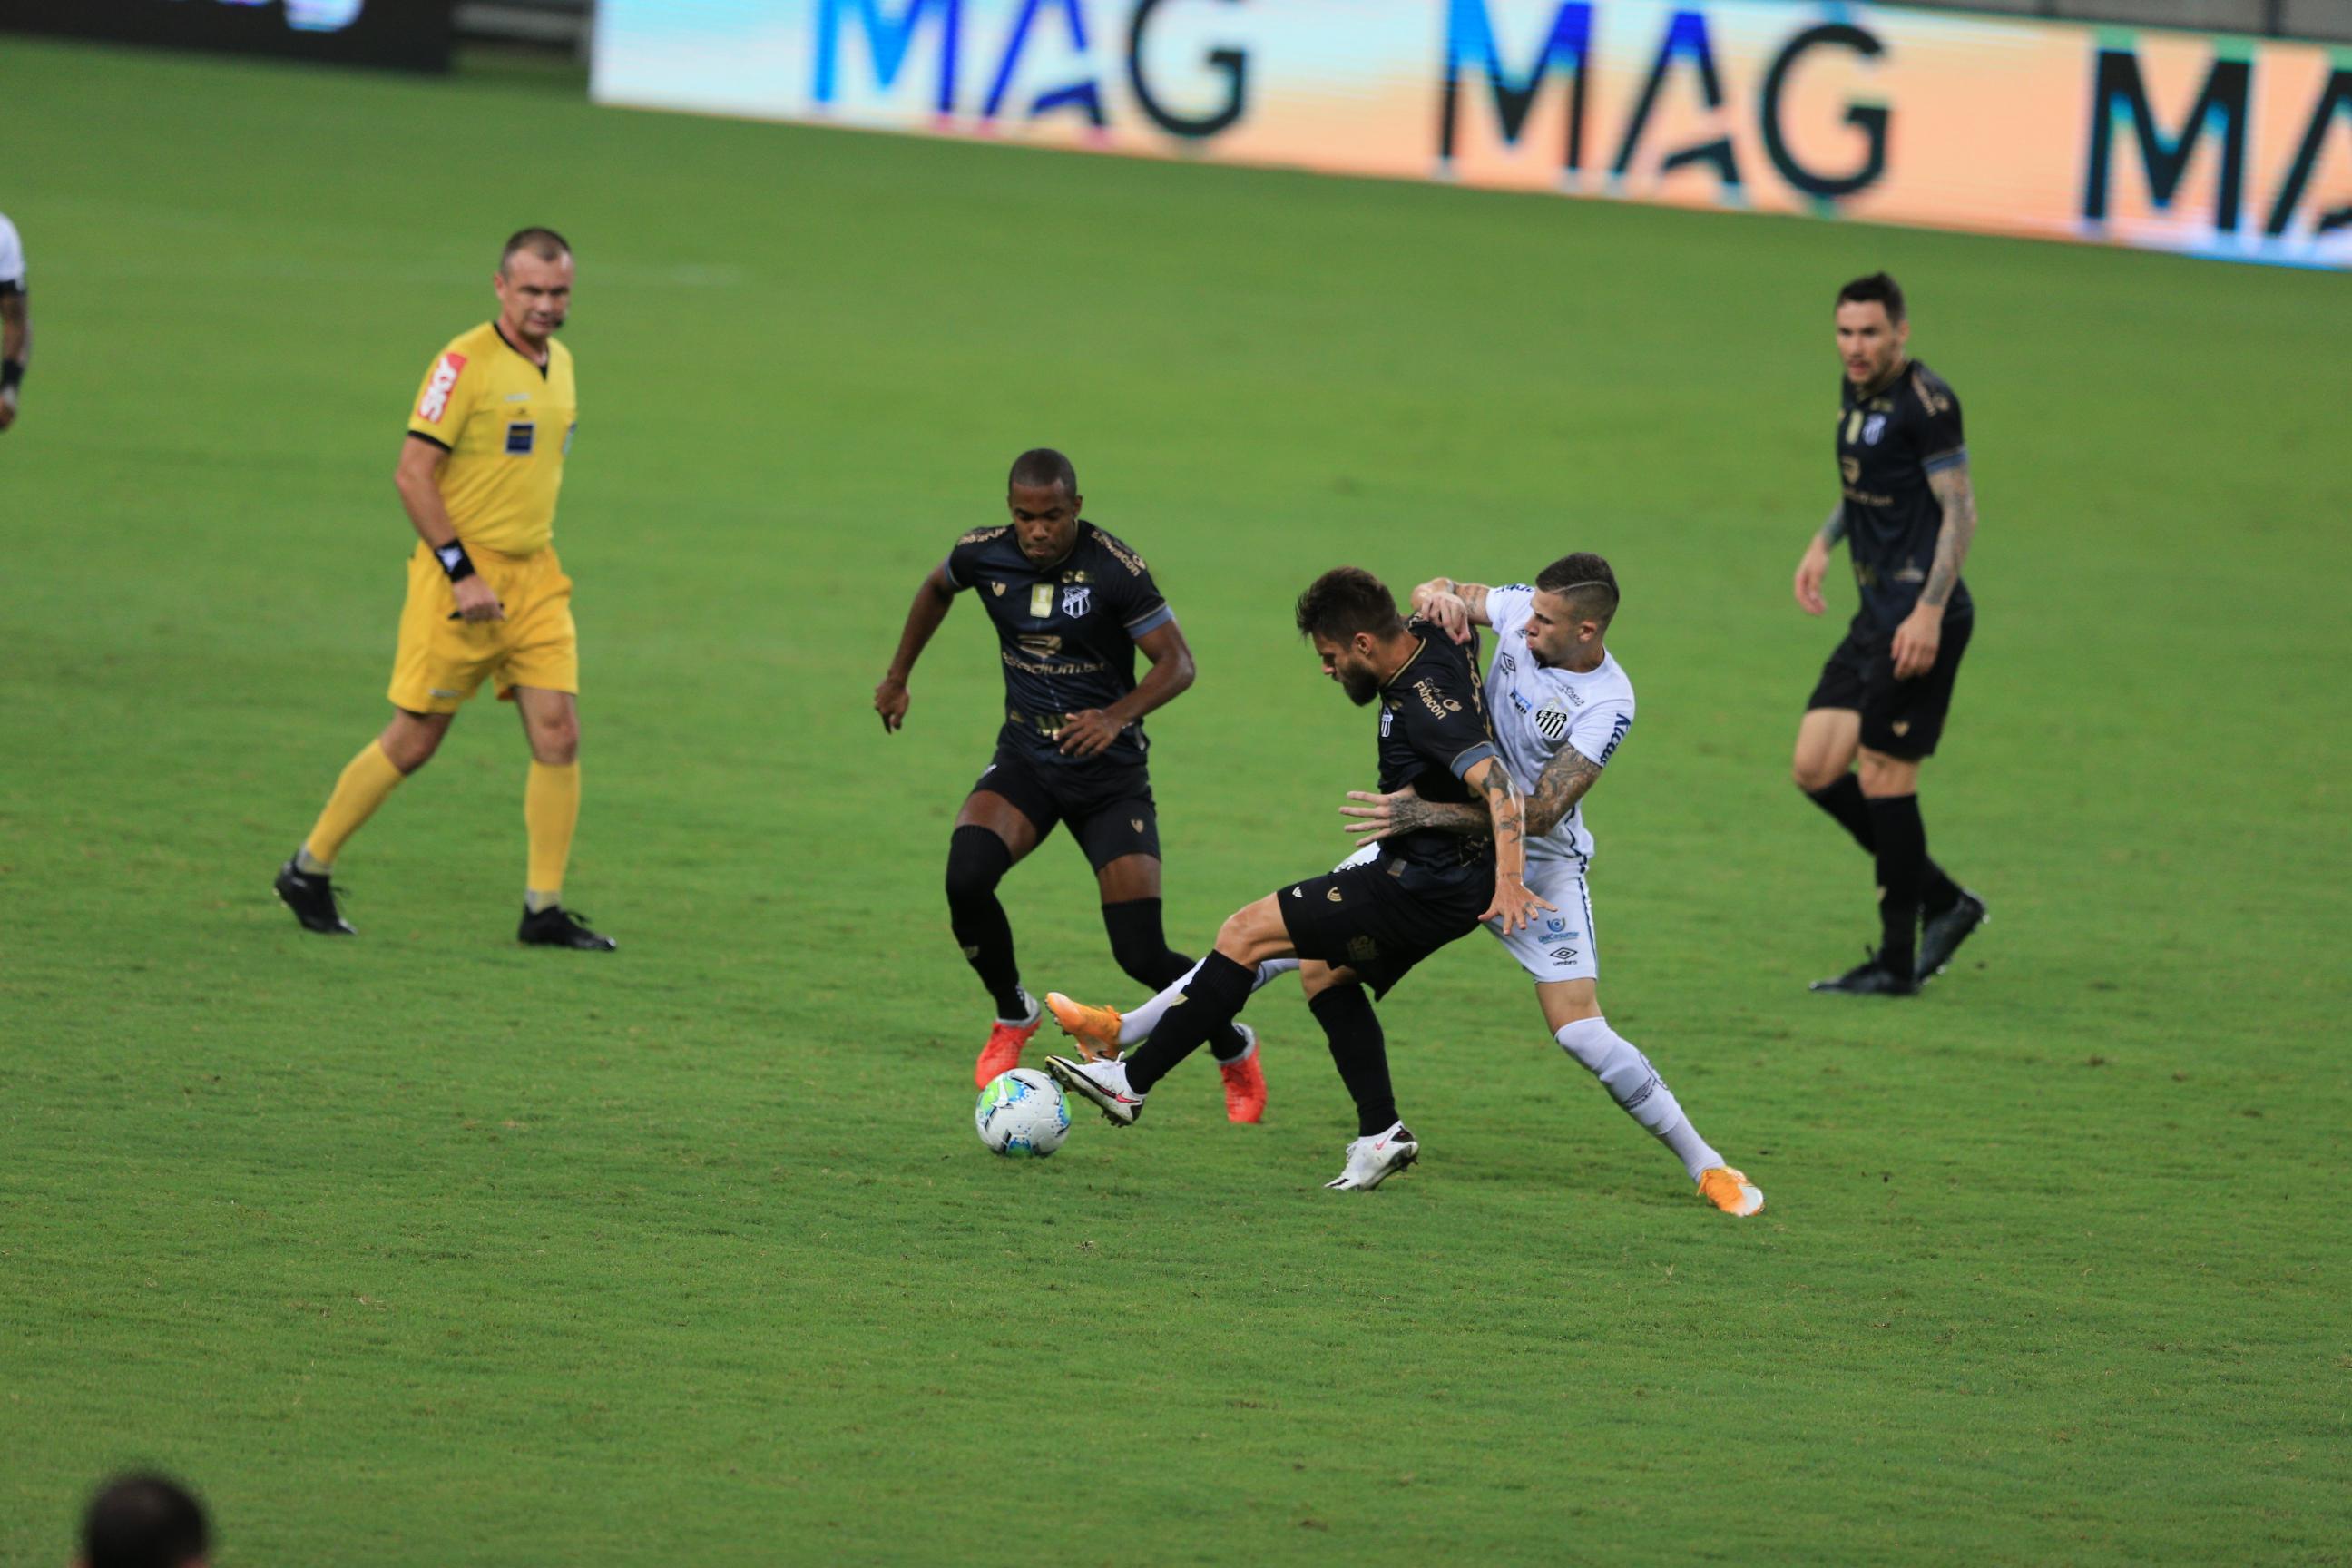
(312,900)
(1940,935)
(556,926)
(1871,978)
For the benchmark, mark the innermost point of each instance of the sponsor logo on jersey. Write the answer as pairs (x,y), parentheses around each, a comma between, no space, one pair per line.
(1076,599)
(1616,733)
(521,435)
(1041,600)
(1429,699)
(435,403)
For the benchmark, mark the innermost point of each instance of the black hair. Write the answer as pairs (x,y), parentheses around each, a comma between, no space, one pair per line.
(1347,600)
(1878,287)
(1043,467)
(1586,581)
(144,1521)
(543,243)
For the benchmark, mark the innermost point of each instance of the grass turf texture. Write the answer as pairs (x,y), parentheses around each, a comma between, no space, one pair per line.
(430,1248)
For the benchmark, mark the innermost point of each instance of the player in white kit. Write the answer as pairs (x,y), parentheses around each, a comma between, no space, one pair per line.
(16,321)
(1560,706)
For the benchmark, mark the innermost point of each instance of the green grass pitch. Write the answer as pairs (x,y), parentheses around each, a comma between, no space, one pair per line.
(425,1249)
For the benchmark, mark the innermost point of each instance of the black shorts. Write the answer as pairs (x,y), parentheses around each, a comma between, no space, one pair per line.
(1900,717)
(1108,804)
(1383,917)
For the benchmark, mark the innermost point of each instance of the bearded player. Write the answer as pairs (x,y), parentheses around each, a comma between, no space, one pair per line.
(1560,705)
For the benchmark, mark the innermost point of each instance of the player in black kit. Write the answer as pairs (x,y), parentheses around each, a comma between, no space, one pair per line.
(1360,925)
(1909,514)
(1071,605)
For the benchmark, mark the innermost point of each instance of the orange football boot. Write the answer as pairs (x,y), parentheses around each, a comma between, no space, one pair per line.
(1732,1193)
(1244,1083)
(1003,1053)
(1096,1029)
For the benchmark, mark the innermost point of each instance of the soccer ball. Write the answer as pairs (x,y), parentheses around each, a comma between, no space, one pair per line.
(1022,1112)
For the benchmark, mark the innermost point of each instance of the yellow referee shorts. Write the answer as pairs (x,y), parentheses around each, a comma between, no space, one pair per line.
(442,661)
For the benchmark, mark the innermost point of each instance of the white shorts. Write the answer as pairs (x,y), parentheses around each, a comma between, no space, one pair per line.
(1559,946)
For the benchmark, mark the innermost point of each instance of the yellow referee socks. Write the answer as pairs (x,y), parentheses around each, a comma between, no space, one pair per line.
(550,810)
(365,783)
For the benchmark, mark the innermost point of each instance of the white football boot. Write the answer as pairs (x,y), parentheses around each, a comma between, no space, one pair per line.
(1102,1084)
(1371,1161)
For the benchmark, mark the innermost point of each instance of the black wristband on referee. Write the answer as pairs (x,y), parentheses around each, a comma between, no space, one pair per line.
(454,562)
(12,374)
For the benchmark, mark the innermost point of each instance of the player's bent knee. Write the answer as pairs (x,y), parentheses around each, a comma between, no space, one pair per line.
(1254,933)
(977,861)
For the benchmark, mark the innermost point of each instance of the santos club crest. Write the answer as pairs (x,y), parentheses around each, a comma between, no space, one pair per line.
(1551,722)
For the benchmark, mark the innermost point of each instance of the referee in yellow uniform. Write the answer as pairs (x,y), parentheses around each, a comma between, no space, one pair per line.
(486,597)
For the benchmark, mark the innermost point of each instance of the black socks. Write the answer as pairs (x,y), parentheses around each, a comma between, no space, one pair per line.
(1360,1052)
(1141,948)
(1206,1009)
(977,861)
(1902,840)
(1845,802)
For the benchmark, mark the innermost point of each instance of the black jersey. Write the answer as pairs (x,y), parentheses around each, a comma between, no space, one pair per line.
(1066,632)
(1433,730)
(1888,442)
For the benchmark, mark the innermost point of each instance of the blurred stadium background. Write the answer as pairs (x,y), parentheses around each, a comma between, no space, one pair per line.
(425,1249)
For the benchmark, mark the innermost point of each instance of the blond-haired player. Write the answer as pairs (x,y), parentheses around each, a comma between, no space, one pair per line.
(487,598)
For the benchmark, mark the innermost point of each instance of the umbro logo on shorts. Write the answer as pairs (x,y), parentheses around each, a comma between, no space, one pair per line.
(1564,954)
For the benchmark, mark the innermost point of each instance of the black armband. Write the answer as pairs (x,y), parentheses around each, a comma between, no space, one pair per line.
(454,562)
(12,374)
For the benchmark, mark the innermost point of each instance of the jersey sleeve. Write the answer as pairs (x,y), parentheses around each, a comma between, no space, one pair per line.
(960,567)
(11,259)
(445,400)
(1446,720)
(1507,605)
(1132,594)
(1941,444)
(1599,727)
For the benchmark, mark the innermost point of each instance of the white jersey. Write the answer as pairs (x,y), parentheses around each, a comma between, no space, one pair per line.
(1535,712)
(11,257)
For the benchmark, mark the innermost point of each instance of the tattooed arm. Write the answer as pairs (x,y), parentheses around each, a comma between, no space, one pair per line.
(1921,633)
(1565,780)
(1506,811)
(1815,564)
(1456,607)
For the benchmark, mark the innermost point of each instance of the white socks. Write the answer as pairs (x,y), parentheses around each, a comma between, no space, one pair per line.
(1136,1027)
(1635,1085)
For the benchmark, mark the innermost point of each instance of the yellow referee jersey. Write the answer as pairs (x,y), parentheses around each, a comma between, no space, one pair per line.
(507,425)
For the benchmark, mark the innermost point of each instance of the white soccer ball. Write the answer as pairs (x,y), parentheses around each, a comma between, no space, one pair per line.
(1022,1112)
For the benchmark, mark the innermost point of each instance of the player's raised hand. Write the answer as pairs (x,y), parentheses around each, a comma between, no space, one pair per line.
(890,700)
(1452,612)
(1380,815)
(1514,905)
(477,600)
(1088,734)
(1811,570)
